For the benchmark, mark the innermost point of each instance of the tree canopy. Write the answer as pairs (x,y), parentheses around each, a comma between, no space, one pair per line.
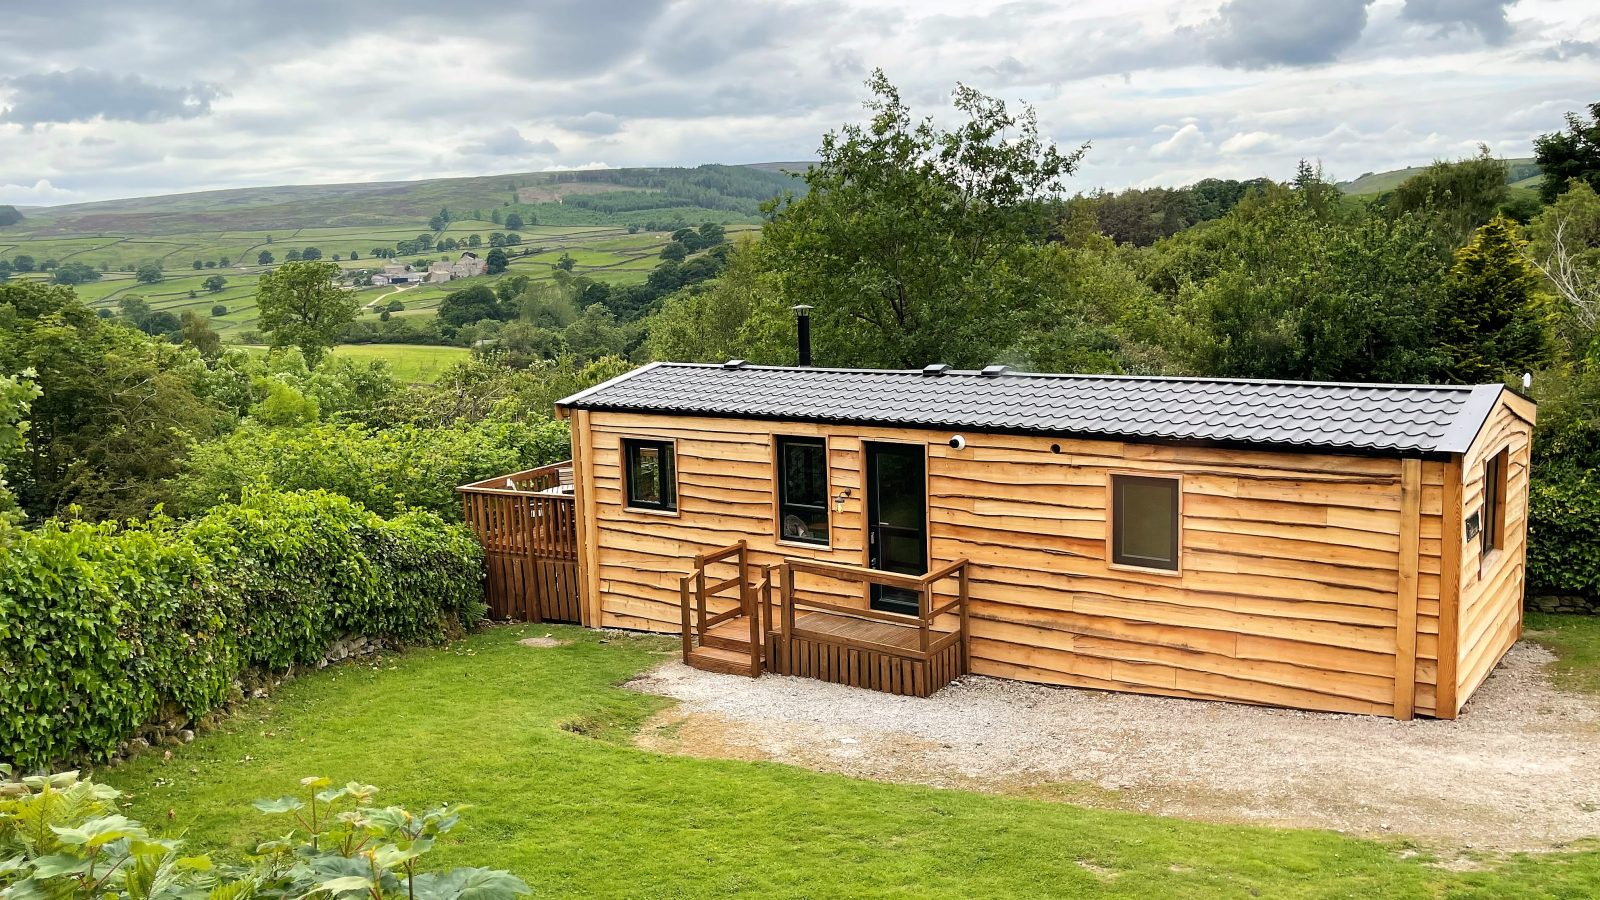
(302,305)
(1573,154)
(908,237)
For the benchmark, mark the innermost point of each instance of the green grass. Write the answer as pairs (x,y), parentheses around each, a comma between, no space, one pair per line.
(1576,643)
(408,362)
(537,741)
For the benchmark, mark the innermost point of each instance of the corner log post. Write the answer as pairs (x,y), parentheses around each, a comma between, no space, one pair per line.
(1405,658)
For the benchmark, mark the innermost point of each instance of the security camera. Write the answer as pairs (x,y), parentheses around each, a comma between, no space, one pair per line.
(958,442)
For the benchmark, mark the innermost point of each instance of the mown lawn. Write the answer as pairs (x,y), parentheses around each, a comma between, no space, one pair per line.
(537,741)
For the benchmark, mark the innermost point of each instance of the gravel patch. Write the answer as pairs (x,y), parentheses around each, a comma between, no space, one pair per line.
(1520,770)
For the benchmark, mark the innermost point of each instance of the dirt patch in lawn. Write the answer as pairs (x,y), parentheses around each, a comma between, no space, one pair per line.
(1517,771)
(546,642)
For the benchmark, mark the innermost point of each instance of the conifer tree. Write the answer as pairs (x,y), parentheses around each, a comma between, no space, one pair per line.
(1490,323)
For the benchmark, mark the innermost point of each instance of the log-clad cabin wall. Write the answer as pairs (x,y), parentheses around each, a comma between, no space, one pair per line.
(1292,586)
(1490,618)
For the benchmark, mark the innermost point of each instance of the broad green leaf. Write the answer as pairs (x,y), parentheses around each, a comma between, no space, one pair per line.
(469,884)
(98,832)
(280,805)
(345,884)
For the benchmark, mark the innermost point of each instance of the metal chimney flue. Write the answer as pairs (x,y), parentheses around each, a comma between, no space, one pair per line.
(802,315)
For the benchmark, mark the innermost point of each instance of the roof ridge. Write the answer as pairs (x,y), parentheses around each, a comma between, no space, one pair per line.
(1159,379)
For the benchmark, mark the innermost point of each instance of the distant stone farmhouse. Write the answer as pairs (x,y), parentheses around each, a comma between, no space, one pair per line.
(467,266)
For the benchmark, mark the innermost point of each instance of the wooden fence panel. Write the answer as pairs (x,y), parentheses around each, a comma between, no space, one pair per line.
(527,524)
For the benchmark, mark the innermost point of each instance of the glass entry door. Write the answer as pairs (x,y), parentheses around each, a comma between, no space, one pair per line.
(897,520)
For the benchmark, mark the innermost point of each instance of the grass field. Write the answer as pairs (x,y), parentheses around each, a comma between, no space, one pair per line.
(408,362)
(609,253)
(538,741)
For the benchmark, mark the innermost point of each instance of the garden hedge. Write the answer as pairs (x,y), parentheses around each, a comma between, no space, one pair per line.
(107,627)
(1564,532)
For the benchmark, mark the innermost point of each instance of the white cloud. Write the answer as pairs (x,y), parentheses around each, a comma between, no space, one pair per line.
(1183,143)
(1244,143)
(42,193)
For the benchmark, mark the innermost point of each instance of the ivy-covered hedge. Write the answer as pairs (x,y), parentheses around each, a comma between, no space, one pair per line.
(106,627)
(1564,532)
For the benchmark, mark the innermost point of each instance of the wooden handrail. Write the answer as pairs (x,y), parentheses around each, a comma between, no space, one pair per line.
(891,618)
(543,478)
(854,573)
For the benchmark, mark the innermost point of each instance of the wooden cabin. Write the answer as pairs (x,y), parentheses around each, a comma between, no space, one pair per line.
(1342,547)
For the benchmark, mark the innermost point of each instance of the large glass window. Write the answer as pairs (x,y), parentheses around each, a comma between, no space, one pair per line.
(1144,522)
(803,490)
(1493,535)
(651,474)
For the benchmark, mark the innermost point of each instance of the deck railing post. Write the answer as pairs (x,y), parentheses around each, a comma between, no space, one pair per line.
(700,596)
(966,659)
(925,602)
(683,601)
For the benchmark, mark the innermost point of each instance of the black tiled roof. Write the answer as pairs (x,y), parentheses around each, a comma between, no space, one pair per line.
(1384,418)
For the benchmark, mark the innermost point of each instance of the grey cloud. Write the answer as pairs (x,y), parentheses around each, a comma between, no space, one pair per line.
(508,142)
(1565,50)
(81,95)
(1486,17)
(592,123)
(1260,34)
(1007,70)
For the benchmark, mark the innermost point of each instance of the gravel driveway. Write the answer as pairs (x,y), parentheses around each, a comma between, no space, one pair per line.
(1519,770)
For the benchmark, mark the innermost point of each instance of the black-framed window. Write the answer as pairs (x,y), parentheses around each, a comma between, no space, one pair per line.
(1144,522)
(650,469)
(803,490)
(1493,534)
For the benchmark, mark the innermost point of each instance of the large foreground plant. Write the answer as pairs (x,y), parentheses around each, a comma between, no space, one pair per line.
(62,837)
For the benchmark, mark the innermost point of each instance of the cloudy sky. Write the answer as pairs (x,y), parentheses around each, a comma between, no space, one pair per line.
(101,100)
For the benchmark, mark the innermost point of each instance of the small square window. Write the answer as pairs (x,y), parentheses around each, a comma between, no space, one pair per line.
(651,473)
(803,490)
(1144,522)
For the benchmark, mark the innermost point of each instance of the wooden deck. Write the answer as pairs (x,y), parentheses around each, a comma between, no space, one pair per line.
(527,524)
(803,635)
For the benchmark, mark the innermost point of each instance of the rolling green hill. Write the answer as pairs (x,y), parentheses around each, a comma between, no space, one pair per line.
(729,194)
(1523,173)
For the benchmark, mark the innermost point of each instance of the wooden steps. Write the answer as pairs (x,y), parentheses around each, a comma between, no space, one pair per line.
(720,659)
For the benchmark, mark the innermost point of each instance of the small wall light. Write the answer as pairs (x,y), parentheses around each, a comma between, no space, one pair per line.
(838,500)
(958,442)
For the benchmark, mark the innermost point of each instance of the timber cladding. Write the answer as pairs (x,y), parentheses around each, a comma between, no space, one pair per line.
(1313,580)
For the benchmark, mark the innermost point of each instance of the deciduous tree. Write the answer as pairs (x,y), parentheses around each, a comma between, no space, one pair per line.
(302,305)
(1571,154)
(907,239)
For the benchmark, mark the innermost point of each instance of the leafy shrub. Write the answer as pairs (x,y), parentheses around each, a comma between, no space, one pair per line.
(388,470)
(62,837)
(1564,531)
(107,627)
